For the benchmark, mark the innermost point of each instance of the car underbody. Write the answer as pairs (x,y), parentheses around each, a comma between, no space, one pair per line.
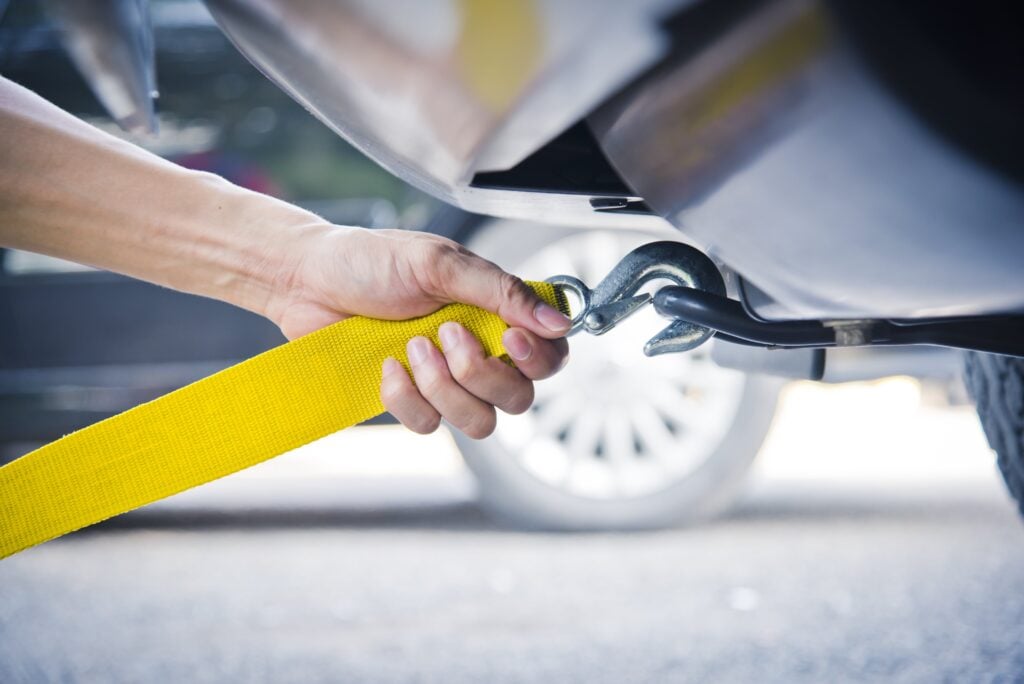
(842,161)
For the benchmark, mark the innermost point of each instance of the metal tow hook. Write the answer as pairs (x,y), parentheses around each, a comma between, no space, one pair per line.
(615,298)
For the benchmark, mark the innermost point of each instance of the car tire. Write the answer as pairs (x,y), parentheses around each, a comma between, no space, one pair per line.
(996,383)
(522,496)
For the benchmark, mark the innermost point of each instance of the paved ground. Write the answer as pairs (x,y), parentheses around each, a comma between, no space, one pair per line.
(875,545)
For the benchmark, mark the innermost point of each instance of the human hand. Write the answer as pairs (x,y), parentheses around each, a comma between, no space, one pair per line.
(337,272)
(69,190)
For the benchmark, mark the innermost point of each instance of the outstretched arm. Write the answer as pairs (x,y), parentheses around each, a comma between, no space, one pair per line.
(72,191)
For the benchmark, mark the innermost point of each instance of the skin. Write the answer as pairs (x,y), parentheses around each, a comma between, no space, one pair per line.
(71,191)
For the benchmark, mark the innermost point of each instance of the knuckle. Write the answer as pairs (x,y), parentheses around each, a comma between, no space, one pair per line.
(520,400)
(430,382)
(392,392)
(511,288)
(423,424)
(464,368)
(550,361)
(441,254)
(480,425)
(438,251)
(437,263)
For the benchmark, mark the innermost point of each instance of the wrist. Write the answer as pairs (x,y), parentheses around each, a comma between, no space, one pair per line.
(271,241)
(285,272)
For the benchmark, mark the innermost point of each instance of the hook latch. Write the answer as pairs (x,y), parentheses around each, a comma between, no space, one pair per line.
(616,297)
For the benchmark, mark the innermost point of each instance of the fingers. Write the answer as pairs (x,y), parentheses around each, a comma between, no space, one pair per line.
(404,402)
(535,357)
(487,378)
(436,393)
(465,277)
(464,385)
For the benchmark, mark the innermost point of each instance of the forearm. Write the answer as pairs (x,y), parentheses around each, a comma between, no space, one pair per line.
(72,191)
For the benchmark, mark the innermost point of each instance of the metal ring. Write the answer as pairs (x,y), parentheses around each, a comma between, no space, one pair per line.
(577,287)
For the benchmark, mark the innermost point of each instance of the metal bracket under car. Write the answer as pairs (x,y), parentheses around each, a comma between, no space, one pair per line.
(699,309)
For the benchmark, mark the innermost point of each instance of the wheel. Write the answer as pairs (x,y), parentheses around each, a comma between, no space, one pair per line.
(996,384)
(616,440)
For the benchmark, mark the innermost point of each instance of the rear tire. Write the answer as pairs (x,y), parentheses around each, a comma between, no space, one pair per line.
(997,385)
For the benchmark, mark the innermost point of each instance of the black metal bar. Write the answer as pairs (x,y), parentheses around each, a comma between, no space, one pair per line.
(728,316)
(997,335)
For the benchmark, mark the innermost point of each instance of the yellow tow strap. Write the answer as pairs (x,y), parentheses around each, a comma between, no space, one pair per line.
(282,399)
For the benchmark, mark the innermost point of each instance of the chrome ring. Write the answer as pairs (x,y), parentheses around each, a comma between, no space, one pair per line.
(578,288)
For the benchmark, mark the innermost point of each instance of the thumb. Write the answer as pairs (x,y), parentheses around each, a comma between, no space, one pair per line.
(476,281)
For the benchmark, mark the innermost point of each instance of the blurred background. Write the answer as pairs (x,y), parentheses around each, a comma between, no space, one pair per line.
(842,532)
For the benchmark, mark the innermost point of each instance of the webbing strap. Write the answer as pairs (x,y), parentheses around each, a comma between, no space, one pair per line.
(274,402)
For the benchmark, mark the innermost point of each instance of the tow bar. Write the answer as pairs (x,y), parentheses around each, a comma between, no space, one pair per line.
(699,309)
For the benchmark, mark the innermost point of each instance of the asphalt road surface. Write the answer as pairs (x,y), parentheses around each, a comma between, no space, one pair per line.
(875,544)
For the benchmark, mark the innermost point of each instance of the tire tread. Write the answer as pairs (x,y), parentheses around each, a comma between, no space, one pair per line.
(997,385)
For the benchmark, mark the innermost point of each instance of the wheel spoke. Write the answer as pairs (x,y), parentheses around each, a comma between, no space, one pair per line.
(557,414)
(651,430)
(584,436)
(618,439)
(682,410)
(587,474)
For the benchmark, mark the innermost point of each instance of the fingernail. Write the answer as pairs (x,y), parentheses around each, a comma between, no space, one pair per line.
(391,366)
(418,350)
(552,319)
(449,334)
(516,344)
